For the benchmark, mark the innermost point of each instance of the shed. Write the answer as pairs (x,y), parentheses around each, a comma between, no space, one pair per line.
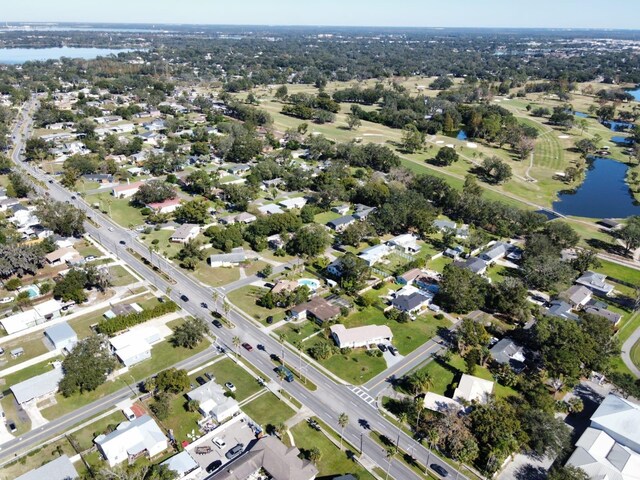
(61,336)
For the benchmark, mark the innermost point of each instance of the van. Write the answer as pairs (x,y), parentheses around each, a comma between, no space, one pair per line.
(128,413)
(286,373)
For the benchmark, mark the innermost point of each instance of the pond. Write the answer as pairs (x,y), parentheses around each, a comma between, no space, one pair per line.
(636,93)
(461,135)
(581,114)
(621,140)
(20,55)
(603,194)
(617,126)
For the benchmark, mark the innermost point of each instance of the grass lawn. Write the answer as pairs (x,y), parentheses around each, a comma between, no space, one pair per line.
(33,345)
(295,332)
(37,458)
(180,420)
(267,409)
(628,327)
(216,276)
(324,217)
(10,409)
(245,299)
(439,263)
(120,276)
(86,248)
(635,354)
(85,435)
(619,272)
(26,373)
(228,371)
(167,248)
(333,462)
(119,209)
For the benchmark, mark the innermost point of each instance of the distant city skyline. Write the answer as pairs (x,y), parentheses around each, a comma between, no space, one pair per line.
(594,14)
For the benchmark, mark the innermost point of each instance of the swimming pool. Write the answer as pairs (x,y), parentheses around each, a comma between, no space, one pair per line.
(34,290)
(309,282)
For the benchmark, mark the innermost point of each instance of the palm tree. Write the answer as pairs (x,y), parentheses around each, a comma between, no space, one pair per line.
(391,452)
(343,421)
(314,455)
(282,338)
(419,402)
(226,306)
(236,343)
(298,344)
(215,295)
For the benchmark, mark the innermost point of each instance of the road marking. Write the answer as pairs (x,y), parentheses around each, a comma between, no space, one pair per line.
(364,396)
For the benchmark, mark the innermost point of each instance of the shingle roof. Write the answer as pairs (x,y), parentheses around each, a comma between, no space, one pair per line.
(59,469)
(37,386)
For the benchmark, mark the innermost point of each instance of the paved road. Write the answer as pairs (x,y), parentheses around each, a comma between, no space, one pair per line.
(626,352)
(328,401)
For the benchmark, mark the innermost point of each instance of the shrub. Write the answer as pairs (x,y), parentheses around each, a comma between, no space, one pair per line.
(438,316)
(374,352)
(13,284)
(121,322)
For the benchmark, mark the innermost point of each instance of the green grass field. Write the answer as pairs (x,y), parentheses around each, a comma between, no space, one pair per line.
(120,276)
(245,299)
(268,409)
(228,371)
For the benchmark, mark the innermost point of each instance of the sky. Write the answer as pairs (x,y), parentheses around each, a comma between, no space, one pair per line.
(624,14)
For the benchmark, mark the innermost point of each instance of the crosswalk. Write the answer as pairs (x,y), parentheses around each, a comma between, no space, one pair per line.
(364,396)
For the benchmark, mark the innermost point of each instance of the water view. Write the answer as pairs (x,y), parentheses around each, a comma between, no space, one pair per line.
(636,93)
(15,56)
(603,194)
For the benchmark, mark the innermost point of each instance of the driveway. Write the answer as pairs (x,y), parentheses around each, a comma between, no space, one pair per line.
(37,420)
(390,358)
(5,436)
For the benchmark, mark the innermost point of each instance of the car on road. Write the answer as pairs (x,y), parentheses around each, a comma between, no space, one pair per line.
(50,181)
(213,466)
(275,358)
(111,229)
(234,452)
(440,470)
(230,386)
(247,347)
(73,197)
(122,242)
(204,305)
(220,443)
(11,426)
(261,381)
(382,347)
(200,380)
(184,298)
(217,323)
(261,347)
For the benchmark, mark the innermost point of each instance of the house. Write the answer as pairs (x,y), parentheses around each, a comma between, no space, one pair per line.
(39,314)
(134,346)
(184,465)
(236,257)
(473,264)
(318,308)
(561,309)
(291,203)
(596,283)
(363,211)
(126,191)
(407,278)
(285,286)
(360,336)
(411,299)
(59,469)
(131,440)
(577,295)
(5,203)
(184,233)
(268,458)
(440,403)
(613,317)
(473,389)
(39,387)
(239,169)
(444,225)
(122,309)
(498,251)
(275,241)
(454,252)
(170,205)
(270,209)
(61,336)
(407,243)
(507,352)
(610,447)
(341,209)
(374,254)
(103,178)
(341,223)
(63,255)
(213,403)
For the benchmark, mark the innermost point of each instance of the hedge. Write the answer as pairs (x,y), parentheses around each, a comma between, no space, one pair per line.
(122,322)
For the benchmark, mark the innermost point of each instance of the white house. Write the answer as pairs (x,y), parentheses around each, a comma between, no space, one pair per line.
(37,315)
(290,203)
(236,257)
(374,254)
(131,440)
(596,283)
(126,191)
(472,388)
(134,346)
(63,255)
(213,402)
(407,243)
(185,232)
(168,206)
(39,387)
(360,336)
(270,209)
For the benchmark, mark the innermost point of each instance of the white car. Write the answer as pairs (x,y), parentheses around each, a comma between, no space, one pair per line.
(220,443)
(230,386)
(111,229)
(6,299)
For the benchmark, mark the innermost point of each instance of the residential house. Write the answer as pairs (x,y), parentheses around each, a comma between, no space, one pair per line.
(440,403)
(496,252)
(270,209)
(561,309)
(613,317)
(473,389)
(341,223)
(577,295)
(63,255)
(61,336)
(610,447)
(185,467)
(363,211)
(454,252)
(275,242)
(411,299)
(444,225)
(407,243)
(37,315)
(239,169)
(236,257)
(473,264)
(407,278)
(596,283)
(245,217)
(170,205)
(103,178)
(291,203)
(5,203)
(184,233)
(610,223)
(374,254)
(38,388)
(134,346)
(59,469)
(284,286)
(213,403)
(131,440)
(341,209)
(268,458)
(360,336)
(317,308)
(507,352)
(126,191)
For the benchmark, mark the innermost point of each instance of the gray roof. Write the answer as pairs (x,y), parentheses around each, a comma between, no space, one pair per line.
(561,309)
(595,281)
(498,250)
(183,231)
(506,351)
(60,333)
(442,224)
(37,386)
(613,317)
(228,258)
(347,219)
(474,264)
(59,469)
(409,302)
(182,464)
(577,294)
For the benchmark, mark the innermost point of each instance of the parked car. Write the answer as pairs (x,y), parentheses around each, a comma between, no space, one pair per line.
(230,386)
(200,380)
(439,470)
(217,323)
(393,350)
(270,319)
(220,443)
(235,451)
(382,347)
(6,299)
(213,466)
(90,257)
(12,426)
(247,347)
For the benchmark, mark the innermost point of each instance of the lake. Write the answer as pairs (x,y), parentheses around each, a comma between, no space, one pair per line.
(636,93)
(15,56)
(603,194)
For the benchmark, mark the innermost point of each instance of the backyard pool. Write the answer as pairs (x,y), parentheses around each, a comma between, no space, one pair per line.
(309,282)
(33,290)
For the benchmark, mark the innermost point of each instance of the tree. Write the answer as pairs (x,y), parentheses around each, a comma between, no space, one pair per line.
(62,218)
(525,146)
(71,287)
(281,92)
(343,421)
(561,234)
(509,297)
(161,406)
(86,366)
(18,185)
(412,138)
(194,211)
(586,259)
(70,177)
(236,343)
(315,455)
(461,290)
(191,254)
(470,335)
(567,472)
(190,333)
(391,452)
(199,182)
(630,234)
(309,241)
(266,271)
(172,380)
(446,156)
(153,191)
(495,170)
(419,381)
(547,435)
(586,147)
(353,121)
(471,186)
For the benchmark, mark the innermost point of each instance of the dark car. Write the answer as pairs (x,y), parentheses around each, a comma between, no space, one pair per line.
(439,470)
(213,466)
(270,319)
(73,197)
(50,181)
(261,347)
(247,347)
(12,426)
(234,452)
(122,242)
(204,305)
(393,350)
(382,347)
(275,357)
(184,298)
(217,323)
(200,380)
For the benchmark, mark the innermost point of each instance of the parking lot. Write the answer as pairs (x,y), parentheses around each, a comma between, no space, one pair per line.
(231,433)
